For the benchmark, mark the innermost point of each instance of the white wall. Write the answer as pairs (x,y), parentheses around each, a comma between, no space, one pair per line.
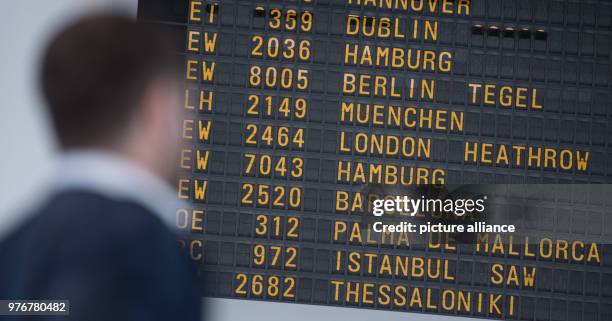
(27,145)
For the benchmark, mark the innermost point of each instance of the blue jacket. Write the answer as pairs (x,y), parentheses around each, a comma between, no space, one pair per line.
(112,260)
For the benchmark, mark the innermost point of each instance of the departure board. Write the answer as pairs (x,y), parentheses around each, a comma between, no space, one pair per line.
(299,114)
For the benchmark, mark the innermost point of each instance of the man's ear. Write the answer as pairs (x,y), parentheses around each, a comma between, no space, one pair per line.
(160,105)
(155,137)
(152,104)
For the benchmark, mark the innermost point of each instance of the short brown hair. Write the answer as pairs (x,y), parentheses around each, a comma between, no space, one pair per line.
(95,72)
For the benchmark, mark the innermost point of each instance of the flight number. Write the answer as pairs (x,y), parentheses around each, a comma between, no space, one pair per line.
(290,20)
(264,195)
(271,136)
(274,226)
(265,165)
(271,285)
(284,107)
(276,48)
(274,78)
(275,256)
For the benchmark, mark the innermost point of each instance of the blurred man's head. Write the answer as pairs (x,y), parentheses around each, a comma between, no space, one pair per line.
(111,83)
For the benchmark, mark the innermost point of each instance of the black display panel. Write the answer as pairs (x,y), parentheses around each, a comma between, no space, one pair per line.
(296,112)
